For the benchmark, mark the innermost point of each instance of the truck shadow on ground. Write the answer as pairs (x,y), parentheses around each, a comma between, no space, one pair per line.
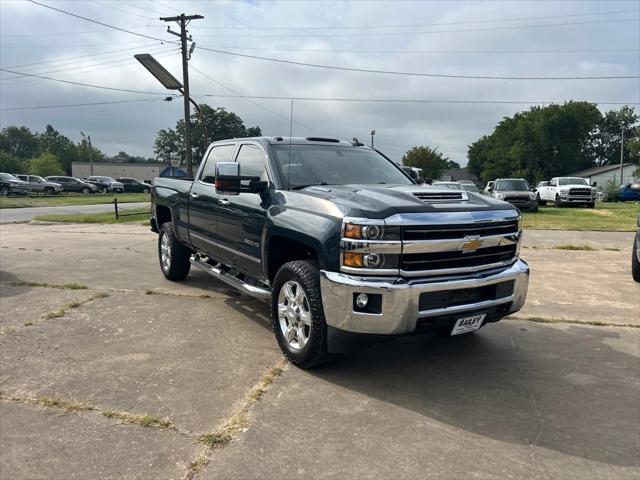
(517,382)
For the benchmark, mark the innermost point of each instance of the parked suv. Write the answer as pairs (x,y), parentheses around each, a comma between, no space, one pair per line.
(40,185)
(106,184)
(10,184)
(516,191)
(72,184)
(133,185)
(340,242)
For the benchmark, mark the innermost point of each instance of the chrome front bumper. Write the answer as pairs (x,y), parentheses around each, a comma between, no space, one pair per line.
(400,298)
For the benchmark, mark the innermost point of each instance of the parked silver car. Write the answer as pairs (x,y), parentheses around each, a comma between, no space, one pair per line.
(40,185)
(10,184)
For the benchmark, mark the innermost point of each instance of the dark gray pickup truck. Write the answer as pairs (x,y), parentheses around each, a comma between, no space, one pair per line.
(340,242)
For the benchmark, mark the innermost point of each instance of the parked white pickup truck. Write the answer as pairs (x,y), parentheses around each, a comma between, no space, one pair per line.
(568,191)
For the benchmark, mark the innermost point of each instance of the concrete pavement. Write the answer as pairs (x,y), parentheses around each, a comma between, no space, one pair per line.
(12,215)
(131,376)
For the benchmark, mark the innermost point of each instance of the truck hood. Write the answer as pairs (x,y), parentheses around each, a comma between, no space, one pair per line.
(373,201)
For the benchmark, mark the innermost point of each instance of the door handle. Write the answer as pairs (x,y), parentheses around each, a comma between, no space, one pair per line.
(224,201)
(194,195)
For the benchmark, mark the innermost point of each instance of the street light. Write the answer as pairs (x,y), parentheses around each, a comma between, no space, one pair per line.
(88,138)
(373,132)
(171,83)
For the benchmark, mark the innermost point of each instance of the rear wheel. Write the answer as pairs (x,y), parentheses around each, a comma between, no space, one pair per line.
(297,315)
(49,191)
(85,190)
(173,256)
(635,263)
(4,191)
(557,202)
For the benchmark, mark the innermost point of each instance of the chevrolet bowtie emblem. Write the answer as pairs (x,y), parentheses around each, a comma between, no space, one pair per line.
(471,244)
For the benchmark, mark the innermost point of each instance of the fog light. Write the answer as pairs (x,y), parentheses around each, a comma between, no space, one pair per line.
(362,300)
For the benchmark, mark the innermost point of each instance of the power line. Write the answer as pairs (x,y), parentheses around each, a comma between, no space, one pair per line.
(56,60)
(128,12)
(78,83)
(388,34)
(432,24)
(97,22)
(412,74)
(77,68)
(90,104)
(430,52)
(402,100)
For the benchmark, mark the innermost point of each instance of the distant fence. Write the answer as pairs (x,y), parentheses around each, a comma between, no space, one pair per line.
(128,212)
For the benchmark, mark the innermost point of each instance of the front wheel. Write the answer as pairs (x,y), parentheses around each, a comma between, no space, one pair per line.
(4,191)
(173,256)
(557,202)
(49,191)
(297,315)
(85,190)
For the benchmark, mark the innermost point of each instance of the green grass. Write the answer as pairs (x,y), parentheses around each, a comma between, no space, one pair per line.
(104,217)
(71,199)
(612,217)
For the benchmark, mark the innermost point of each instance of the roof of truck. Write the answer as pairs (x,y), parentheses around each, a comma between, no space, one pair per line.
(301,141)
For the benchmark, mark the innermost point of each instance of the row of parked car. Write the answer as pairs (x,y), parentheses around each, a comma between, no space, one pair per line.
(22,184)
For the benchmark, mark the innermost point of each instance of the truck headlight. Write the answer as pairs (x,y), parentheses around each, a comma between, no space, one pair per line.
(369,260)
(357,231)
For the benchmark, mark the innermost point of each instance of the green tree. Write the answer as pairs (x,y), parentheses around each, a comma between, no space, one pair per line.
(53,142)
(19,142)
(604,141)
(10,163)
(430,160)
(220,124)
(45,165)
(536,144)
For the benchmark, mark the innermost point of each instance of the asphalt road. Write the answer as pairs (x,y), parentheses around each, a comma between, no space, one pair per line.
(551,395)
(13,215)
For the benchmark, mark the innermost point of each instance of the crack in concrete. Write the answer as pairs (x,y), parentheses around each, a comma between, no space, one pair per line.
(234,424)
(592,323)
(533,446)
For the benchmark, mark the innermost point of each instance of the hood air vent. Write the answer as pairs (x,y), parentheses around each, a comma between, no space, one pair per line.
(441,196)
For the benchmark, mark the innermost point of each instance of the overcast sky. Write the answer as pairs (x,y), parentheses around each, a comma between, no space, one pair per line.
(507,38)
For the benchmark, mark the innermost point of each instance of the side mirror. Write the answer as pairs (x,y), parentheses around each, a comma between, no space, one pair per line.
(534,189)
(635,187)
(594,184)
(490,189)
(227,178)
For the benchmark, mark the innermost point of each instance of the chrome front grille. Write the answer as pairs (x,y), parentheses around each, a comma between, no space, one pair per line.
(516,199)
(458,259)
(442,232)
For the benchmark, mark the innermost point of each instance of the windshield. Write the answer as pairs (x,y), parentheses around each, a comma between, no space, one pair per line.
(518,185)
(333,165)
(572,181)
(106,179)
(7,176)
(469,188)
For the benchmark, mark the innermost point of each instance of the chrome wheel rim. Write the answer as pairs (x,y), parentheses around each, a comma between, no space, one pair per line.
(165,252)
(294,315)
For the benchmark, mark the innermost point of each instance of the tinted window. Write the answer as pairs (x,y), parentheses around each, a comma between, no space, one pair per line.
(221,153)
(513,185)
(251,160)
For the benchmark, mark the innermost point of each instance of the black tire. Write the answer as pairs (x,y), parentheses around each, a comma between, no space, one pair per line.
(592,205)
(557,201)
(635,264)
(104,190)
(534,209)
(4,191)
(178,265)
(85,190)
(542,202)
(314,352)
(49,191)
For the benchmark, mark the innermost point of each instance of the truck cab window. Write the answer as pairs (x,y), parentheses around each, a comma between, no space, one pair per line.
(220,153)
(251,160)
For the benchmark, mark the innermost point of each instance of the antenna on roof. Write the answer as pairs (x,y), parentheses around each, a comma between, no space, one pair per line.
(290,136)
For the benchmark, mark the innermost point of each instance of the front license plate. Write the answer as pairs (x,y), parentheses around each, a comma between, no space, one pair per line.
(468,324)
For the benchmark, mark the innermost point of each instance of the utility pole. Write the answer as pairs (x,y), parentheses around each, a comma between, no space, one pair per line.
(622,157)
(373,132)
(90,152)
(183,20)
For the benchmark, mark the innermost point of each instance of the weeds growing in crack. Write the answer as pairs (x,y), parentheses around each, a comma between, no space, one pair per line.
(144,420)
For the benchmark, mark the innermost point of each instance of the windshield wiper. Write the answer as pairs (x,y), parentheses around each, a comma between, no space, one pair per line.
(300,187)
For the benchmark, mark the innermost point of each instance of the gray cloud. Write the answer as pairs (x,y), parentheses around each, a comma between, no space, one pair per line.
(132,126)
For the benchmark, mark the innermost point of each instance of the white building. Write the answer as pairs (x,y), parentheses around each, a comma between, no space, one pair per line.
(604,175)
(144,172)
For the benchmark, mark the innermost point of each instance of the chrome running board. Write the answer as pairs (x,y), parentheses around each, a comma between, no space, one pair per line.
(220,274)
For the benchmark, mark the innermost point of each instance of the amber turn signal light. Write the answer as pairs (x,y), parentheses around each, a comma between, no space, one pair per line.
(352,259)
(352,231)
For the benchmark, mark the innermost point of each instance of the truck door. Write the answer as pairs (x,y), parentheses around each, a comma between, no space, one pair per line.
(204,202)
(242,217)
